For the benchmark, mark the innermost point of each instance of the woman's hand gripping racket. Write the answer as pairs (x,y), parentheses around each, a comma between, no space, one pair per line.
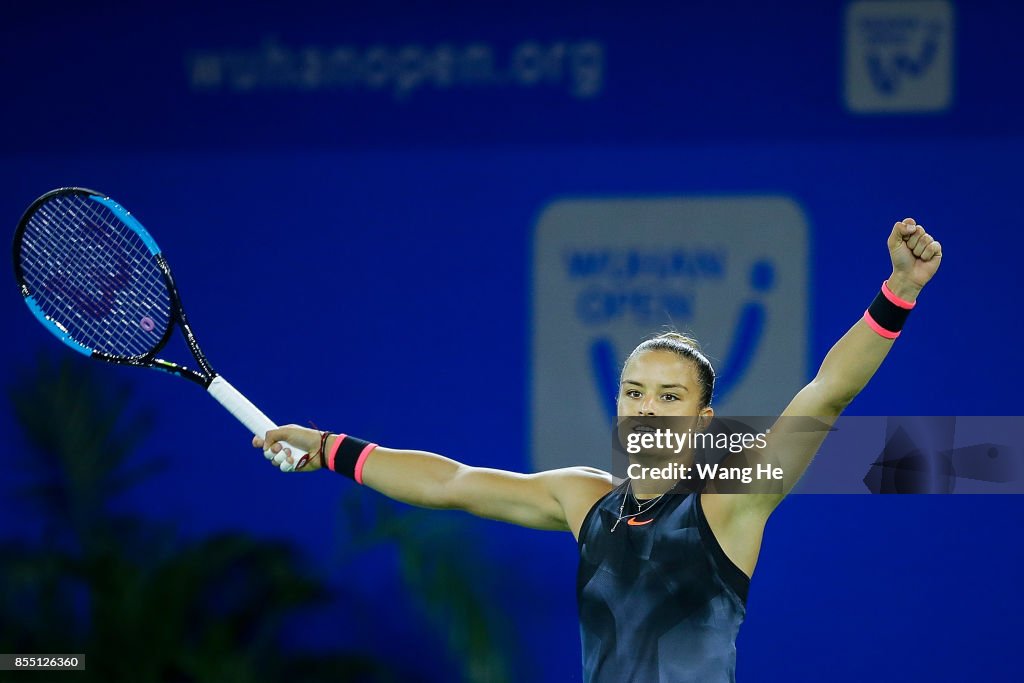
(93,276)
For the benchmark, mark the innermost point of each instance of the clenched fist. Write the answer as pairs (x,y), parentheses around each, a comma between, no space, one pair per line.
(916,256)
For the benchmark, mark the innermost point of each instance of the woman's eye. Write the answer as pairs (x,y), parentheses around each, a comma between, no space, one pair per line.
(633,393)
(670,397)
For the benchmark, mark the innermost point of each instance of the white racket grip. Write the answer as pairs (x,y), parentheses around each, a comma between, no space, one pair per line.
(251,416)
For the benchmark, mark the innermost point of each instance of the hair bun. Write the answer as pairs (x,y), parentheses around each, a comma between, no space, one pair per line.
(680,338)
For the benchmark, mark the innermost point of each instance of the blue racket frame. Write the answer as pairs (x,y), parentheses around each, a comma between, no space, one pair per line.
(204,376)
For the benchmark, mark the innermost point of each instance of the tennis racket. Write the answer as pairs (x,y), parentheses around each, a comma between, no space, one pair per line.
(93,276)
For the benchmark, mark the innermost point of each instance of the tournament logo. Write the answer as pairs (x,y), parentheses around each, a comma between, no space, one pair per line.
(608,273)
(899,56)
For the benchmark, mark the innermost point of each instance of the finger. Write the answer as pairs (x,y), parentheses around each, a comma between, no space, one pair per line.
(271,450)
(915,238)
(270,441)
(285,460)
(909,221)
(900,232)
(933,250)
(896,236)
(275,435)
(257,442)
(922,244)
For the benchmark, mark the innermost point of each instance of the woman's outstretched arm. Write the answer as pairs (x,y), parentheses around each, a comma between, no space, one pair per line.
(555,499)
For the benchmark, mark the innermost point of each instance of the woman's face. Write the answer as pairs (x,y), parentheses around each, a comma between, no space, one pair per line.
(660,383)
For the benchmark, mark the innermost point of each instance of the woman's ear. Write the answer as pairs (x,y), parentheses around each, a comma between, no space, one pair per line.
(706,415)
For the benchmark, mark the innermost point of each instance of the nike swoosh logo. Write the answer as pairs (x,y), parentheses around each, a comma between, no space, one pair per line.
(632,521)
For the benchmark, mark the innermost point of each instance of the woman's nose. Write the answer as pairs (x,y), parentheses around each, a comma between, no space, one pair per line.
(647,406)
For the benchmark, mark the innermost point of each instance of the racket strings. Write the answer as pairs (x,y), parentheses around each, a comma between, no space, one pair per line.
(94,275)
(119,257)
(79,287)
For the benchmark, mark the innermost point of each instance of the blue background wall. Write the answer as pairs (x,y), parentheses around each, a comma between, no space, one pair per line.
(362,259)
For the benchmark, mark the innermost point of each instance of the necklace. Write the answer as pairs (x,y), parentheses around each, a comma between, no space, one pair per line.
(650,502)
(640,509)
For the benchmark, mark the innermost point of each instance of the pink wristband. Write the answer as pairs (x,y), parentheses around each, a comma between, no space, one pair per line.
(367,449)
(878,329)
(331,454)
(895,300)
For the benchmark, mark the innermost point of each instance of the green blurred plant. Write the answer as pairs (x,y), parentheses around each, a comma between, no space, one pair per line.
(142,604)
(442,574)
(147,606)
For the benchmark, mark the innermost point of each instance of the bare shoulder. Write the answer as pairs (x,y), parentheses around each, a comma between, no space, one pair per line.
(583,472)
(569,481)
(577,489)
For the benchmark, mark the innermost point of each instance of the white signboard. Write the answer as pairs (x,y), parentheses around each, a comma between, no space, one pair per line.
(608,273)
(899,56)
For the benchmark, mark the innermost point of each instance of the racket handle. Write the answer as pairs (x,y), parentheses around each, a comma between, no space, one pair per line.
(251,416)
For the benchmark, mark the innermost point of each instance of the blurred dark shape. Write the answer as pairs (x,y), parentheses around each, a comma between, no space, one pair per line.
(922,461)
(140,602)
(445,575)
(903,467)
(989,462)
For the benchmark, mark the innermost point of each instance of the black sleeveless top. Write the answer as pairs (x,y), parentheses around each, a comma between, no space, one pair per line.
(659,602)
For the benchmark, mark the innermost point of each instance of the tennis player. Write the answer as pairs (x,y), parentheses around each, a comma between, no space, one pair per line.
(663,579)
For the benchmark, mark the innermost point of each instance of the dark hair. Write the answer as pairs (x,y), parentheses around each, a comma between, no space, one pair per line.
(686,347)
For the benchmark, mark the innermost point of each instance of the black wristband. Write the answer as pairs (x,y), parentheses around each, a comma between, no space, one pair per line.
(887,313)
(348,455)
